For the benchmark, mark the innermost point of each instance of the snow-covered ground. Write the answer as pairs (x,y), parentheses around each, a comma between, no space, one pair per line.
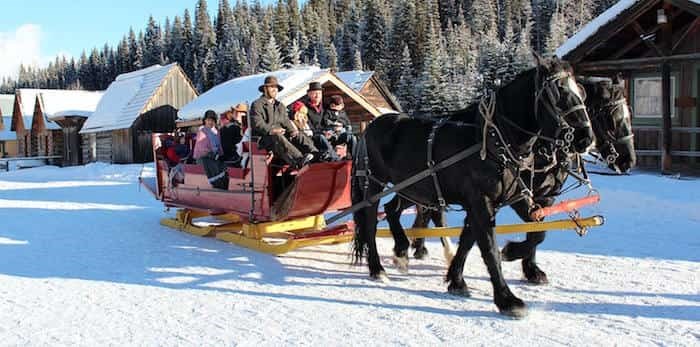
(84,261)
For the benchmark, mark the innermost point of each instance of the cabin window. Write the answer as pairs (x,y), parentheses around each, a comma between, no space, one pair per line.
(647,97)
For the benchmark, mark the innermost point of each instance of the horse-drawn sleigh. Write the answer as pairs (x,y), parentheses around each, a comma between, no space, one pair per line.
(513,148)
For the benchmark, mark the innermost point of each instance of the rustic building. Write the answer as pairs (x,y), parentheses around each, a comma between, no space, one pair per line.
(367,84)
(654,46)
(22,114)
(134,106)
(58,116)
(8,138)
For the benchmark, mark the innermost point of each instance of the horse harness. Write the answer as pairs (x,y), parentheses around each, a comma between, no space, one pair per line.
(607,141)
(487,110)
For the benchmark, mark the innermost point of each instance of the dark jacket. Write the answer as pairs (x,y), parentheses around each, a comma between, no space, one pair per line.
(314,116)
(330,117)
(230,136)
(264,116)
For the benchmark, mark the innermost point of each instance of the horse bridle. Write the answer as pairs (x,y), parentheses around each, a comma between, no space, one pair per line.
(548,95)
(609,141)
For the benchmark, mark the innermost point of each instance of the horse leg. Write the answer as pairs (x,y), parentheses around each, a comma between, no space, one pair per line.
(527,249)
(393,211)
(482,216)
(448,252)
(455,274)
(422,220)
(366,233)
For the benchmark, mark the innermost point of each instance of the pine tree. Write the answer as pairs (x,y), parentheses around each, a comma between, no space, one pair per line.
(152,49)
(270,59)
(204,43)
(402,36)
(350,48)
(373,35)
(405,85)
(280,27)
(294,56)
(357,62)
(332,58)
(188,52)
(134,49)
(430,81)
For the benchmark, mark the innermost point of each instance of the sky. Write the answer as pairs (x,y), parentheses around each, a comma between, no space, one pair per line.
(36,31)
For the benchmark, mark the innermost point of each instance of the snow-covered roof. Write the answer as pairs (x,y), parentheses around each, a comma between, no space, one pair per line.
(6,134)
(245,90)
(63,103)
(355,79)
(593,26)
(125,99)
(7,102)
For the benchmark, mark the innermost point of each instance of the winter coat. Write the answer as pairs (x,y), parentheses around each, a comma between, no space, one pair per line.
(231,135)
(265,115)
(202,146)
(331,117)
(315,115)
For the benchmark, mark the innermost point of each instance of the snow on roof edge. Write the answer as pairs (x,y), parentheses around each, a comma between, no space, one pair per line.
(594,26)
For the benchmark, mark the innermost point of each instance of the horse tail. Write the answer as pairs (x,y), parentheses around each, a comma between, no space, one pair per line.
(358,193)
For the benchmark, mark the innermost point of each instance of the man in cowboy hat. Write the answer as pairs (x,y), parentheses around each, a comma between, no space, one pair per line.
(314,104)
(231,133)
(269,121)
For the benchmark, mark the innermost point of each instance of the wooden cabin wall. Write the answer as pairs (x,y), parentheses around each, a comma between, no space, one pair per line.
(10,148)
(355,111)
(371,92)
(175,91)
(56,146)
(122,146)
(102,143)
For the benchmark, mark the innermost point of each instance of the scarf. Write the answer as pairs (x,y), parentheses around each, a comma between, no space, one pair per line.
(214,139)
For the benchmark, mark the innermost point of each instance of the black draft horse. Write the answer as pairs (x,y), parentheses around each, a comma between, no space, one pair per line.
(610,117)
(614,145)
(542,103)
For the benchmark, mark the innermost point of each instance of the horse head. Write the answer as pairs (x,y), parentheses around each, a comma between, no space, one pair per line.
(612,125)
(559,105)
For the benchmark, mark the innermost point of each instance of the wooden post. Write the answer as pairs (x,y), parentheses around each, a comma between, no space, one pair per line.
(666,43)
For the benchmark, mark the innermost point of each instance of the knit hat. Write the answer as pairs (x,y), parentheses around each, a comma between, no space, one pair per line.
(297,106)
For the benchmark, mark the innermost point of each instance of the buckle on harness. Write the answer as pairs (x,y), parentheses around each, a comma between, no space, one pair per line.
(442,202)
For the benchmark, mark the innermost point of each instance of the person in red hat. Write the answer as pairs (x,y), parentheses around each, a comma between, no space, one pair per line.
(269,121)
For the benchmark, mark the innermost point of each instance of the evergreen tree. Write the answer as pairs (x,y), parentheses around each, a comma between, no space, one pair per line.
(357,62)
(135,52)
(405,85)
(270,59)
(152,49)
(294,56)
(332,58)
(204,42)
(188,51)
(430,81)
(350,48)
(373,35)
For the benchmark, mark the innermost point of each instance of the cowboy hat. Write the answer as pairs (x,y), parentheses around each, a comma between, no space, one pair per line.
(240,108)
(270,81)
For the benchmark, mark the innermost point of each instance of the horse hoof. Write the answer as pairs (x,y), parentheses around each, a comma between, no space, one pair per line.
(539,278)
(420,253)
(462,291)
(535,276)
(517,312)
(506,253)
(380,277)
(401,264)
